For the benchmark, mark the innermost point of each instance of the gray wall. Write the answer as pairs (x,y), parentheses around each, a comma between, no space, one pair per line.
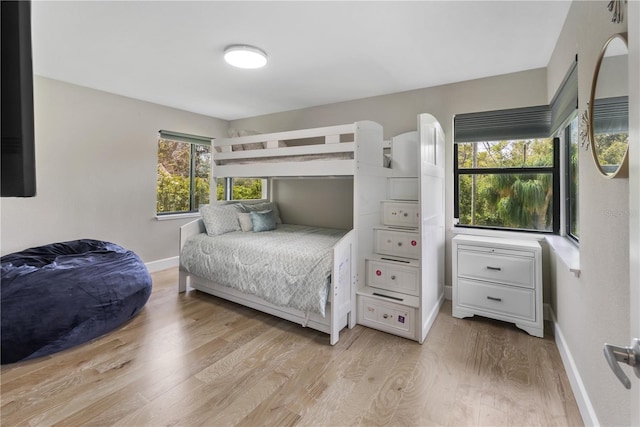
(397,113)
(315,201)
(594,308)
(96,160)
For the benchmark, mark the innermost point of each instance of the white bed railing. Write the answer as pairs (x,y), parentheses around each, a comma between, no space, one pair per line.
(331,135)
(332,150)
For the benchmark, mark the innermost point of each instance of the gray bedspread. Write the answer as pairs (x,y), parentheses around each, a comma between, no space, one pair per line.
(289,266)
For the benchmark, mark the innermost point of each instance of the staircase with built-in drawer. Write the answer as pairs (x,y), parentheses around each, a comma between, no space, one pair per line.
(403,285)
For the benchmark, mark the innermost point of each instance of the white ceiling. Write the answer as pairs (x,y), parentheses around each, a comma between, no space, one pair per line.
(170,52)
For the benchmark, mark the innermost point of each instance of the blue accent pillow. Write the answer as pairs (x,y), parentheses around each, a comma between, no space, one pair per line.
(263,206)
(263,220)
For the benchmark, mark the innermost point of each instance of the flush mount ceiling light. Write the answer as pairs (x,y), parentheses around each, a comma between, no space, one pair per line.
(243,56)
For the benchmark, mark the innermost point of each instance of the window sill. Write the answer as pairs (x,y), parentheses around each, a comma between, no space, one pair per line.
(567,251)
(178,216)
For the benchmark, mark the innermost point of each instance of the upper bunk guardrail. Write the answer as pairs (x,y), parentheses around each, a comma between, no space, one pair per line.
(343,147)
(342,150)
(272,147)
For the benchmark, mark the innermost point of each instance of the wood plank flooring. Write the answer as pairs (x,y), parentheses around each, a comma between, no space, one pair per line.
(192,359)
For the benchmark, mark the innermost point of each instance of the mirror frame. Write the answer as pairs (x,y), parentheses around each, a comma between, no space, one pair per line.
(623,168)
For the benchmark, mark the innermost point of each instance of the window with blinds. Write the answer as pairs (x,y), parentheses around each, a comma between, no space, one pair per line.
(507,164)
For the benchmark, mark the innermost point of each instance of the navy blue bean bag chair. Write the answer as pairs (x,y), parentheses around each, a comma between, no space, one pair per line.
(57,296)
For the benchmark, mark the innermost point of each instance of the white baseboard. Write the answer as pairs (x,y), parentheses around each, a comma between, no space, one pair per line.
(163,264)
(587,411)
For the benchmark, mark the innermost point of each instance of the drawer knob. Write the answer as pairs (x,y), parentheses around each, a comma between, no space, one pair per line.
(378,273)
(494,268)
(494,298)
(406,214)
(386,316)
(399,243)
(413,243)
(393,277)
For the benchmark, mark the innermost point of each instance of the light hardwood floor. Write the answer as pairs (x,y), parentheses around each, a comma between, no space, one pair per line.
(192,359)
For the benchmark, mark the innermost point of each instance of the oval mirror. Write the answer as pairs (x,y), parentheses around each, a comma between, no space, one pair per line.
(609,109)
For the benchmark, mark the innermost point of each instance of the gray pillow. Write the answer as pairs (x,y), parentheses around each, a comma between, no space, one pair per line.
(244,218)
(263,220)
(220,219)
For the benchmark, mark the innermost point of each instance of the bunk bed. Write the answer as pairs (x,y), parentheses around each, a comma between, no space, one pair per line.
(352,150)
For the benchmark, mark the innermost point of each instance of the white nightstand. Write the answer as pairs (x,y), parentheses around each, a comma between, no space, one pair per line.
(498,278)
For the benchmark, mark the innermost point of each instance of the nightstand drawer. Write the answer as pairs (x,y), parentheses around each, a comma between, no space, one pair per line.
(392,276)
(403,214)
(387,316)
(512,270)
(507,300)
(399,243)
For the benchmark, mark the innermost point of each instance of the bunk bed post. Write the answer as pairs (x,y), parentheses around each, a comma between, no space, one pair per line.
(369,190)
(189,229)
(341,277)
(182,281)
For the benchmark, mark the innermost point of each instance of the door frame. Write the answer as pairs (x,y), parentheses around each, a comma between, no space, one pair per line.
(633,13)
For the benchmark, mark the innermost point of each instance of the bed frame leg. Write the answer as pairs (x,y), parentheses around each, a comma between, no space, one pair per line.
(352,319)
(334,337)
(182,281)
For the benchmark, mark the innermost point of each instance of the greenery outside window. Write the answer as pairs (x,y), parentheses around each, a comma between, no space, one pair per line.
(507,184)
(240,189)
(184,164)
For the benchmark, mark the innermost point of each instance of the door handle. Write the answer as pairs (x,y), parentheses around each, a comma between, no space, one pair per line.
(629,355)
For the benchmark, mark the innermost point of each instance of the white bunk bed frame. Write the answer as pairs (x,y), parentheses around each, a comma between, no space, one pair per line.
(364,142)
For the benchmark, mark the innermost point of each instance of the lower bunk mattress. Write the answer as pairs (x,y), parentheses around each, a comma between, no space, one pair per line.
(289,266)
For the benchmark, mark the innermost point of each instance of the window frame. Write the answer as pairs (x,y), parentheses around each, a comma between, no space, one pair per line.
(193,141)
(568,141)
(553,170)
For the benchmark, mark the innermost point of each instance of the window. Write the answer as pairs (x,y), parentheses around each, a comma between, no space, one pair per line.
(507,165)
(571,187)
(184,170)
(184,164)
(240,189)
(508,184)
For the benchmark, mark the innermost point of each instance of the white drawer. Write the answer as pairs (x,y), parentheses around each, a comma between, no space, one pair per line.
(403,214)
(403,188)
(387,316)
(507,300)
(398,243)
(501,268)
(392,276)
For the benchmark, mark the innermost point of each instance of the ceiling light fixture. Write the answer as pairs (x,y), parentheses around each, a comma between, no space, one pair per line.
(244,56)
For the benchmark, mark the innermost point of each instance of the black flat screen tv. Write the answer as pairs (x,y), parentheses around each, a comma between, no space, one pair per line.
(18,166)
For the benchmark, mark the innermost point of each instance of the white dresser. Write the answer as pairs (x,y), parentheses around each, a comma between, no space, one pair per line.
(498,278)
